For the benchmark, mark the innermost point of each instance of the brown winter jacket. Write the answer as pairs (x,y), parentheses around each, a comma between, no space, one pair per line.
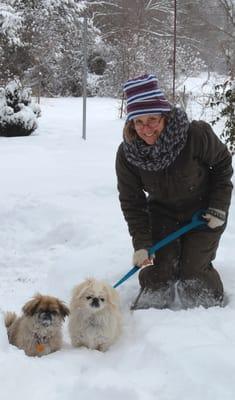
(200,177)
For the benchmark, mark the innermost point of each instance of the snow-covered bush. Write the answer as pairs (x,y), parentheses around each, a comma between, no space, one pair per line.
(18,115)
(224,100)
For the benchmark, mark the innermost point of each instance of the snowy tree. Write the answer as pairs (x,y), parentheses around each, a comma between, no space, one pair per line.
(58,25)
(224,101)
(52,48)
(149,25)
(211,33)
(10,26)
(227,45)
(41,42)
(126,27)
(10,22)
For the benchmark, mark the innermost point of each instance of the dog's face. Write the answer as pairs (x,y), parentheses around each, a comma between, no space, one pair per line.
(46,310)
(94,295)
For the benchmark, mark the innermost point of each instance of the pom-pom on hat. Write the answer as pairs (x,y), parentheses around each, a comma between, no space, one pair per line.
(144,97)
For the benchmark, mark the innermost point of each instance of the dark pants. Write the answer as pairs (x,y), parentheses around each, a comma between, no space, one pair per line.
(187,260)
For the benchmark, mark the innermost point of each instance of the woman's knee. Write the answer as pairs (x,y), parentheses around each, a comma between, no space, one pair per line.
(154,277)
(194,293)
(201,288)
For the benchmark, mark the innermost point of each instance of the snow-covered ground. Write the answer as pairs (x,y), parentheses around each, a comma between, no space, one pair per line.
(60,222)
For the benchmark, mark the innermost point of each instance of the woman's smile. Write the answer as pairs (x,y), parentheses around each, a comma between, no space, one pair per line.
(149,127)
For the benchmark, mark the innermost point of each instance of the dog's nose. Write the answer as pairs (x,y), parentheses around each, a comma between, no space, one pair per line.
(95,302)
(46,316)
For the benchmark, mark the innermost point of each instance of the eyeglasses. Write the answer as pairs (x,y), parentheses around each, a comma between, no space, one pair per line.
(152,123)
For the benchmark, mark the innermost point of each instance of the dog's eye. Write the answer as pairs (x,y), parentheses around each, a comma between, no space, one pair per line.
(88,297)
(101,299)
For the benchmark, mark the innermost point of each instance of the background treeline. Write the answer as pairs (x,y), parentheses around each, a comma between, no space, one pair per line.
(41,41)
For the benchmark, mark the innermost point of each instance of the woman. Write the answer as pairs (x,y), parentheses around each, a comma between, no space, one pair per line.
(167,169)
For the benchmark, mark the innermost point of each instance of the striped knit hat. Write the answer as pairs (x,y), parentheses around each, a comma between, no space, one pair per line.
(144,97)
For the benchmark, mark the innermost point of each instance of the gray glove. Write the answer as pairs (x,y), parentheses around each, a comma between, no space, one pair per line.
(214,217)
(141,258)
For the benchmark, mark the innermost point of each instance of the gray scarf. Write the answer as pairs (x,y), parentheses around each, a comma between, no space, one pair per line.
(168,146)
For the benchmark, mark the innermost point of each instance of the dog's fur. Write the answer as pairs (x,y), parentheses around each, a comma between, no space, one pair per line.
(39,330)
(95,319)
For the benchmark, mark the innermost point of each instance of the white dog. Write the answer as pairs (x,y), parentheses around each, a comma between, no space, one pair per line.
(95,319)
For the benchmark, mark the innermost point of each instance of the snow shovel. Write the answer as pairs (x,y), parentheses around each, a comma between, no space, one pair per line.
(196,221)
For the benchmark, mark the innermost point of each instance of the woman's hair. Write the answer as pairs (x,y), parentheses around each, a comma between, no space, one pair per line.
(129,132)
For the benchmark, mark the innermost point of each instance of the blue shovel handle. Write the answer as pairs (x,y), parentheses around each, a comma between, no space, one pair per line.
(196,221)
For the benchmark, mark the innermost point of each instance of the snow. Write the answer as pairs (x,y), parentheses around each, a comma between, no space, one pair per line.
(61,222)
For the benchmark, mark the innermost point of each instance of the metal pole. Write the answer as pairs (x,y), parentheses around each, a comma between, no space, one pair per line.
(39,86)
(174,51)
(84,77)
(122,105)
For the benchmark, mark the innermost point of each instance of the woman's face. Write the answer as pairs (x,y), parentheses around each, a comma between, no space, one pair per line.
(149,127)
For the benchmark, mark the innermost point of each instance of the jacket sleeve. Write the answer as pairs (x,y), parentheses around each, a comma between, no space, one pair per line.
(216,156)
(133,202)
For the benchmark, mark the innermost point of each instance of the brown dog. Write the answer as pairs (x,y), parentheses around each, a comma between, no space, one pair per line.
(39,330)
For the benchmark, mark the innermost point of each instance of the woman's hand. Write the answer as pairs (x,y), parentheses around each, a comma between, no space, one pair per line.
(214,217)
(141,258)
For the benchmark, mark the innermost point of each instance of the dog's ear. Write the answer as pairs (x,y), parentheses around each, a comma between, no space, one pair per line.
(64,310)
(112,295)
(31,306)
